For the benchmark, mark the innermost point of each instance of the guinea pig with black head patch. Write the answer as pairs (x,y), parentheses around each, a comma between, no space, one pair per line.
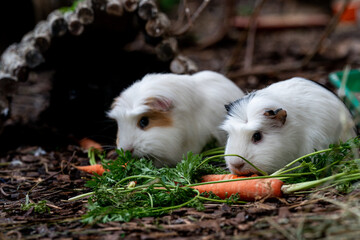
(163,116)
(275,125)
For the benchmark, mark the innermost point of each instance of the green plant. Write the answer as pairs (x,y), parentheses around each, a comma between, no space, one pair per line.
(39,207)
(116,197)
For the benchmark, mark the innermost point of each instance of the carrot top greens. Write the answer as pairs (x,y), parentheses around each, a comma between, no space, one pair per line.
(134,187)
(157,190)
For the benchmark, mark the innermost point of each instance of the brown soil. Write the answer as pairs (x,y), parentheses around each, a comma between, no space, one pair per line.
(52,177)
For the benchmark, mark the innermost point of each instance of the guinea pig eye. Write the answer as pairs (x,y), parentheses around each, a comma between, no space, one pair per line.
(257,136)
(143,122)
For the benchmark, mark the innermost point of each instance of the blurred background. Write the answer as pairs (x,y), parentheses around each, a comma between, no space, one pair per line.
(254,43)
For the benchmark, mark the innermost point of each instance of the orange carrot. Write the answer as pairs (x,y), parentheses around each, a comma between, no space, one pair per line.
(97,168)
(248,190)
(87,143)
(219,177)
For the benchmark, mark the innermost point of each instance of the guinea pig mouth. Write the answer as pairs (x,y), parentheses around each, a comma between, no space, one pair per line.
(240,170)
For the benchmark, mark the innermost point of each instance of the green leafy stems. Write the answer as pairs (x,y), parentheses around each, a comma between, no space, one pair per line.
(39,207)
(159,190)
(334,166)
(286,169)
(214,151)
(235,155)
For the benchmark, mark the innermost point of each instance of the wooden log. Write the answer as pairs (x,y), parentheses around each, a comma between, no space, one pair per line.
(4,110)
(5,77)
(182,65)
(157,26)
(283,21)
(167,49)
(115,7)
(31,98)
(4,107)
(147,9)
(42,36)
(99,4)
(75,27)
(130,5)
(30,53)
(14,64)
(85,12)
(28,37)
(57,23)
(8,86)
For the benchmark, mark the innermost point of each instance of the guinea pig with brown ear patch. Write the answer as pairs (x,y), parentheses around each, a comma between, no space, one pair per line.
(274,126)
(163,116)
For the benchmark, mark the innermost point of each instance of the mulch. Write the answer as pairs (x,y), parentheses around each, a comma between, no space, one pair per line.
(51,176)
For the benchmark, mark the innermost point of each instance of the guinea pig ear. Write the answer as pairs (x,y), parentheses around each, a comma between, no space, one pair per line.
(228,107)
(161,104)
(279,115)
(115,102)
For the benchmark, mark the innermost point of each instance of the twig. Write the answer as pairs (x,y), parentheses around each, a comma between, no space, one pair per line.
(3,192)
(235,54)
(284,21)
(283,66)
(187,12)
(239,45)
(193,18)
(345,207)
(328,30)
(181,14)
(250,43)
(220,31)
(287,234)
(53,175)
(259,70)
(17,234)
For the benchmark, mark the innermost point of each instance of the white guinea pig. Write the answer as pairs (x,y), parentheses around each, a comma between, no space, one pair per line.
(275,125)
(163,116)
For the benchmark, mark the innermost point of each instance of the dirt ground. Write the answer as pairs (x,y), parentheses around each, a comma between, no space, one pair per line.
(50,174)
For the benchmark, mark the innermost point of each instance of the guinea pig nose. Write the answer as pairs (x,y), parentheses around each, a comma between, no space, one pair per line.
(236,168)
(237,165)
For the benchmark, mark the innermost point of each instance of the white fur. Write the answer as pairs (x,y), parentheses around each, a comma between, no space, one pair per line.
(315,119)
(198,109)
